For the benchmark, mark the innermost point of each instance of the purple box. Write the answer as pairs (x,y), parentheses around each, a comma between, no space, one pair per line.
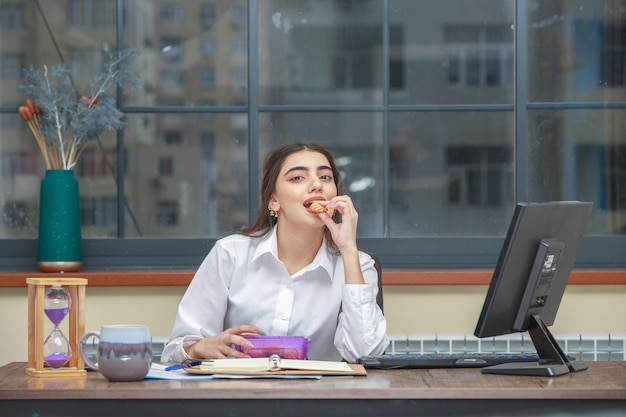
(287,347)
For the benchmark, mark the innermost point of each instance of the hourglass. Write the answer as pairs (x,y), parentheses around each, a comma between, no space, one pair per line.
(56,355)
(56,348)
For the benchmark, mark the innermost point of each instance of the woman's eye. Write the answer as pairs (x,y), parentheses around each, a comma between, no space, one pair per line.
(297,178)
(327,177)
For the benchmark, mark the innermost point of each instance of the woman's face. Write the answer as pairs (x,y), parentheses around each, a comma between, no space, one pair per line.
(304,177)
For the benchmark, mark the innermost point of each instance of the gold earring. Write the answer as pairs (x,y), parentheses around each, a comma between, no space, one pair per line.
(273,213)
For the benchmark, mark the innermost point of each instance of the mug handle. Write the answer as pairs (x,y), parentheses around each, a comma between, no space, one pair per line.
(83,349)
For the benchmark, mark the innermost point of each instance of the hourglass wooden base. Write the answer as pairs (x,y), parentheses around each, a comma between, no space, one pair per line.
(36,320)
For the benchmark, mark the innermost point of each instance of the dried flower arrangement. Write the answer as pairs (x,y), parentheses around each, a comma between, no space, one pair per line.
(62,120)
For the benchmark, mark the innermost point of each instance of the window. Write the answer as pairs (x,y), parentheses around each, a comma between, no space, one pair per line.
(11,121)
(172,13)
(99,212)
(165,166)
(238,16)
(173,138)
(479,55)
(207,77)
(91,13)
(11,66)
(436,128)
(478,176)
(207,46)
(207,15)
(238,77)
(239,45)
(167,213)
(171,49)
(19,163)
(95,163)
(207,143)
(173,77)
(12,16)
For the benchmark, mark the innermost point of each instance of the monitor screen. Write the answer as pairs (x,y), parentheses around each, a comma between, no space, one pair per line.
(529,280)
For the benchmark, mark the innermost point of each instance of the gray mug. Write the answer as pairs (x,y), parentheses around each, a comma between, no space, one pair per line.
(124,352)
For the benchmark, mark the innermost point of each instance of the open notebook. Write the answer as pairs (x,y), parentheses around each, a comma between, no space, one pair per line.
(276,366)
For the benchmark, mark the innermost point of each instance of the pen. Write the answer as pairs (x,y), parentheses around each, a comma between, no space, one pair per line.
(183,365)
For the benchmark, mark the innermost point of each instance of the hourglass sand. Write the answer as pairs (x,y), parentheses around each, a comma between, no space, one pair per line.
(57,355)
(56,348)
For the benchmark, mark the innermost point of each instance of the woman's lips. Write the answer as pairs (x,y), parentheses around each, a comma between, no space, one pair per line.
(309,201)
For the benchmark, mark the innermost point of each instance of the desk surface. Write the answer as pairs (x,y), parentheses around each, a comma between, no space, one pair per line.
(394,392)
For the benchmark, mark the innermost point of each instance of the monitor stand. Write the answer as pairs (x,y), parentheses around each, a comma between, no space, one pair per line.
(552,360)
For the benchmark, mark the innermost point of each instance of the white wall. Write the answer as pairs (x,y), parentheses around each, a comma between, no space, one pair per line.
(409,309)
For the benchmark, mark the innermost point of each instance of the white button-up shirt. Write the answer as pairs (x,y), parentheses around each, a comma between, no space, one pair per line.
(242,281)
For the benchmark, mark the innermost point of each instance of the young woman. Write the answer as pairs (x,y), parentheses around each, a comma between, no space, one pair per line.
(294,272)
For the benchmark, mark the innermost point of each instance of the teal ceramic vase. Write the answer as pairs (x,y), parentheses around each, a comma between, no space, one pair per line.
(59,241)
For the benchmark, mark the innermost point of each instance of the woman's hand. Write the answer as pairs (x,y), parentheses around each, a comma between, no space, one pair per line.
(219,346)
(344,236)
(344,233)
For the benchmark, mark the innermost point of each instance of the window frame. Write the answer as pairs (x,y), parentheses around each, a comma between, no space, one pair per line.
(123,254)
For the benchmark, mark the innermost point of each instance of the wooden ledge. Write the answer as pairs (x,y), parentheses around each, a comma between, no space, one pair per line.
(390,277)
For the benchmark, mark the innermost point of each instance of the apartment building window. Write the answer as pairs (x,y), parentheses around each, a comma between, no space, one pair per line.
(207,15)
(238,77)
(478,176)
(12,17)
(207,46)
(173,77)
(173,138)
(167,213)
(95,162)
(91,13)
(239,45)
(165,166)
(12,121)
(479,55)
(207,77)
(17,163)
(172,49)
(98,212)
(207,143)
(238,16)
(11,66)
(172,13)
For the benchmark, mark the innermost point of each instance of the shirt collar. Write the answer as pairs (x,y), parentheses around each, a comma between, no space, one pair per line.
(269,245)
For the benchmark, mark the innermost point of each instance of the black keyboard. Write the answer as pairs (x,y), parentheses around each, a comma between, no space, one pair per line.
(443,360)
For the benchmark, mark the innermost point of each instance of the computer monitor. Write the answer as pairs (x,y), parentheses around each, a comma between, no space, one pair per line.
(529,280)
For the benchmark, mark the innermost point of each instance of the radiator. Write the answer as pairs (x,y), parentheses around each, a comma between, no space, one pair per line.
(582,346)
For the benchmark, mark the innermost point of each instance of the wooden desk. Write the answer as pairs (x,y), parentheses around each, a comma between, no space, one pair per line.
(598,391)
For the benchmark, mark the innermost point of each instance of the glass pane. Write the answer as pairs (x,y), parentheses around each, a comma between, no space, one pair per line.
(451,52)
(575,155)
(192,53)
(447,180)
(97,182)
(83,32)
(355,142)
(187,175)
(320,52)
(577,50)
